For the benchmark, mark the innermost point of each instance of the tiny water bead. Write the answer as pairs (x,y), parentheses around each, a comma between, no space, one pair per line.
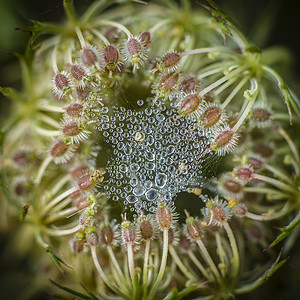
(156,153)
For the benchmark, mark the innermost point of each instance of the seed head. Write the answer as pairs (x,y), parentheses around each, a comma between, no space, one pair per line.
(134,52)
(74,131)
(217,212)
(232,186)
(107,235)
(208,97)
(111,57)
(128,232)
(256,163)
(85,183)
(169,81)
(77,72)
(21,158)
(22,188)
(211,116)
(224,141)
(83,92)
(112,34)
(193,229)
(189,104)
(92,236)
(75,110)
(78,246)
(185,243)
(163,216)
(263,150)
(79,171)
(146,228)
(83,203)
(244,173)
(134,47)
(240,209)
(261,117)
(170,61)
(71,129)
(145,38)
(61,81)
(75,195)
(90,56)
(61,152)
(61,84)
(189,85)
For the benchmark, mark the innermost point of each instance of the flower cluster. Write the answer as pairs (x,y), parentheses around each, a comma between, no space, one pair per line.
(136,113)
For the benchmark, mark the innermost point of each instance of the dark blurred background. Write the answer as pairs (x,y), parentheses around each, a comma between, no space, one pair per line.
(281,18)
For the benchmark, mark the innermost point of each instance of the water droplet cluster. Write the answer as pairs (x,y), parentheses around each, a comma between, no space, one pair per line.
(155,154)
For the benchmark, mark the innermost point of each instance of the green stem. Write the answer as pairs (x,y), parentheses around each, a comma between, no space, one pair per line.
(61,232)
(58,199)
(198,264)
(162,265)
(209,260)
(103,276)
(222,80)
(145,268)
(285,210)
(274,182)
(70,11)
(247,108)
(235,251)
(235,91)
(180,264)
(117,267)
(221,253)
